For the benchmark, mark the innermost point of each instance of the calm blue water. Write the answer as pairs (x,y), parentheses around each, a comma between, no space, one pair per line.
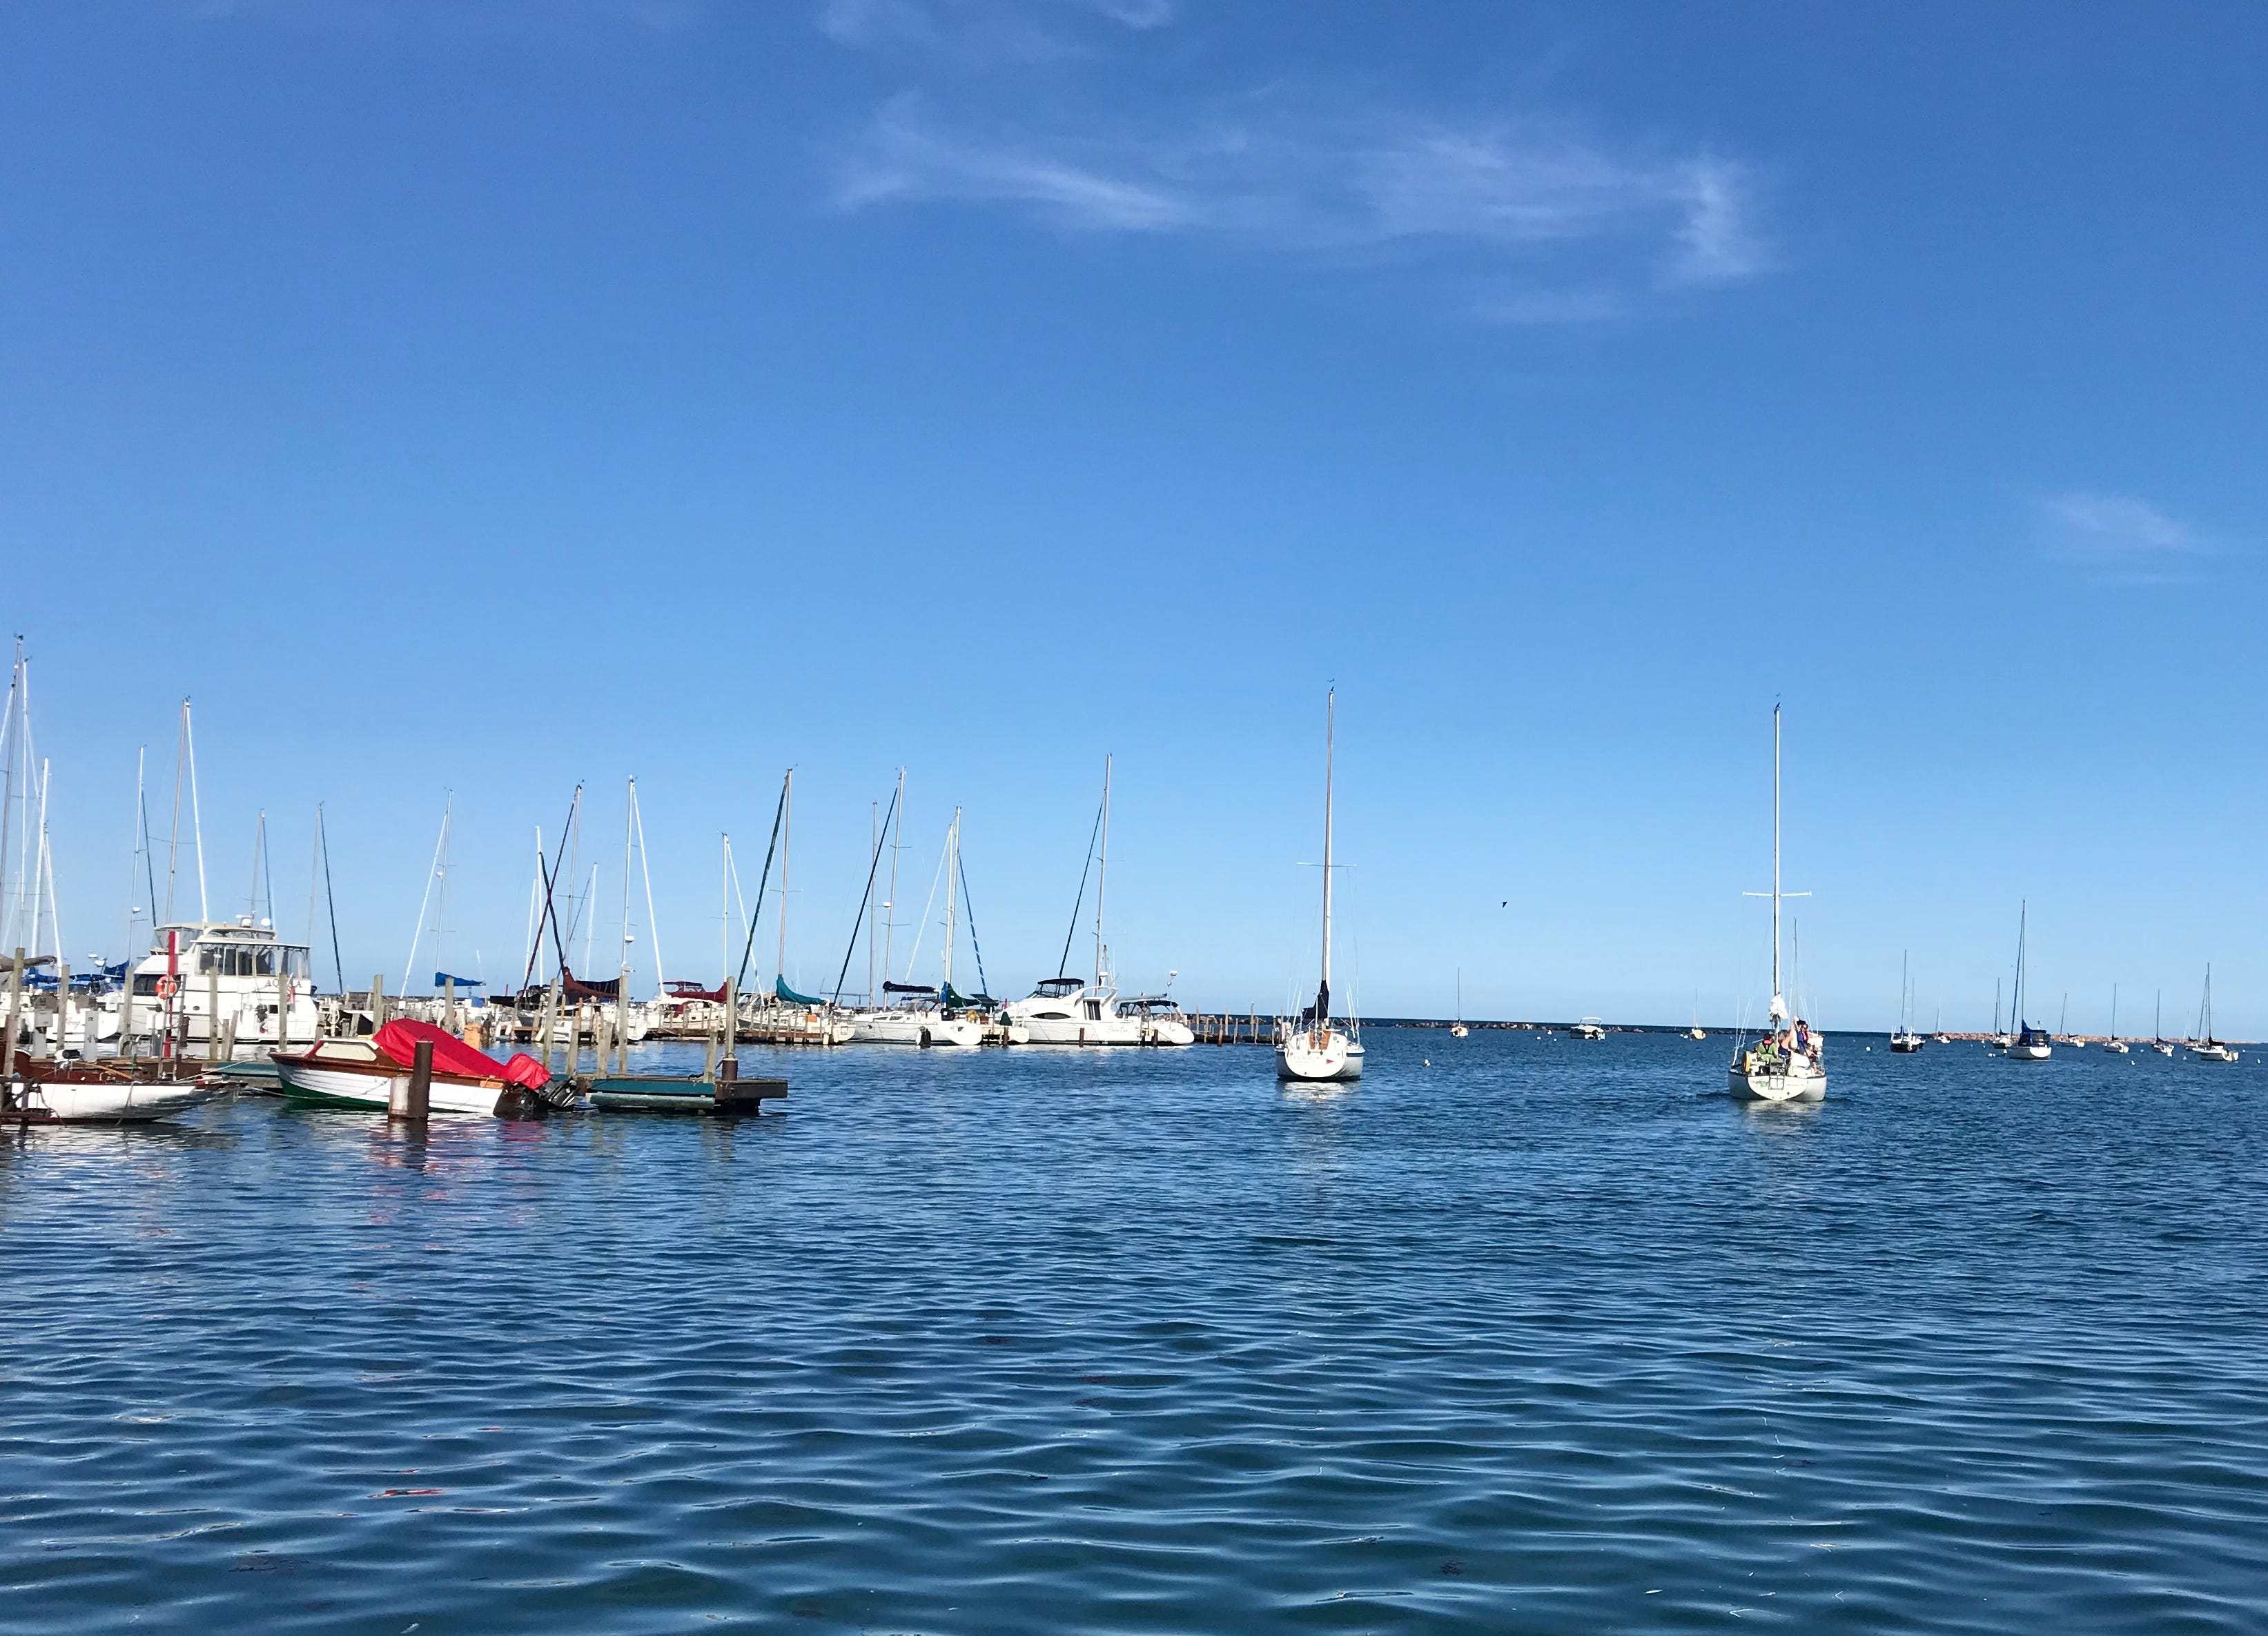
(1544,1337)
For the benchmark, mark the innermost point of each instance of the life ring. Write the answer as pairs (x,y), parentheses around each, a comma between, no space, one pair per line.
(167,988)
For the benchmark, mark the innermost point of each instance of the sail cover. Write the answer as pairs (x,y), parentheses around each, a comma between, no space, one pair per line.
(577,988)
(397,1042)
(780,988)
(442,980)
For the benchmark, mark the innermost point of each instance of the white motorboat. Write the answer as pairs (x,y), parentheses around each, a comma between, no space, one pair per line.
(214,980)
(1162,1021)
(2204,1047)
(1314,1049)
(1789,1063)
(2027,1043)
(1588,1028)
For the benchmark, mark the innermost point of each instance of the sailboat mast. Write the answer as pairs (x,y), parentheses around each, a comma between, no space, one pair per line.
(629,817)
(952,873)
(1102,875)
(897,839)
(787,828)
(1779,1004)
(2016,1000)
(1330,728)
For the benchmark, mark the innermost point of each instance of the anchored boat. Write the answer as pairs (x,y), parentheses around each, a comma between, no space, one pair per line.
(1788,1064)
(1314,1050)
(365,1073)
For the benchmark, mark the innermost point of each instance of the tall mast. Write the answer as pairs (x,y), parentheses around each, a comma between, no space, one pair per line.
(629,817)
(2016,999)
(897,845)
(952,873)
(9,735)
(787,825)
(874,834)
(1778,1003)
(1102,875)
(1330,727)
(197,813)
(724,904)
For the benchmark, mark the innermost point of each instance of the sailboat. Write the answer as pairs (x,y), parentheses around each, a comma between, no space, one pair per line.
(2205,1048)
(1063,1010)
(1904,1039)
(916,1014)
(1696,1032)
(1457,1030)
(1937,1031)
(1312,1049)
(2028,1043)
(2063,1027)
(2159,1043)
(1788,1064)
(2112,1044)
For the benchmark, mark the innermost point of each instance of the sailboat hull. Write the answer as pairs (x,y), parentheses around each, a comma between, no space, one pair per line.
(1319,1056)
(1796,1087)
(2021,1052)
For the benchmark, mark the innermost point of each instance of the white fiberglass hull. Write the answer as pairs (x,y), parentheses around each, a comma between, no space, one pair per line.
(1798,1085)
(2115,1047)
(361,1088)
(1107,1031)
(1319,1056)
(893,1027)
(64,1101)
(2213,1054)
(1165,1032)
(2029,1054)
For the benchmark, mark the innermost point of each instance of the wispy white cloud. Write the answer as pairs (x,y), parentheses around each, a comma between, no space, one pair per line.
(2119,539)
(1591,227)
(985,31)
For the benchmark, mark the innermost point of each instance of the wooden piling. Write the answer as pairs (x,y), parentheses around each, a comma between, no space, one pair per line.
(15,1014)
(212,1011)
(413,1098)
(377,1002)
(63,1012)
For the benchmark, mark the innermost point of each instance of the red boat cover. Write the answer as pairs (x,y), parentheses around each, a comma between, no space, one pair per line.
(397,1042)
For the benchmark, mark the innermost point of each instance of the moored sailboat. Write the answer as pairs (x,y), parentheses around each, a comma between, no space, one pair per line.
(1313,1049)
(2205,1048)
(2027,1043)
(1788,1064)
(2112,1044)
(1904,1039)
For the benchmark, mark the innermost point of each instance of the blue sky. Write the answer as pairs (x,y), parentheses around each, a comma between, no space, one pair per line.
(482,397)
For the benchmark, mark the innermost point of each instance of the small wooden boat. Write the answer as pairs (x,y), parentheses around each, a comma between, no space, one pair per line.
(108,1092)
(365,1073)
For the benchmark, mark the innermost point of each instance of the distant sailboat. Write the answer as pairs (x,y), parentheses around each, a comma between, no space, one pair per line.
(2115,1046)
(2159,1043)
(2030,1044)
(2205,1048)
(1789,1062)
(1904,1039)
(1313,1051)
(1457,1030)
(1696,1032)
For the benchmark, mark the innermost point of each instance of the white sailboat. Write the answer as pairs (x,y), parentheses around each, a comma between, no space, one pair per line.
(2027,1043)
(2115,1046)
(2159,1043)
(1904,1039)
(922,1015)
(1696,1032)
(2205,1048)
(1070,1011)
(1789,1063)
(1457,1029)
(1313,1049)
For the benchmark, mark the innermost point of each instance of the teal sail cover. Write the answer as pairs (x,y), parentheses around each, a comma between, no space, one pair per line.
(953,1000)
(780,988)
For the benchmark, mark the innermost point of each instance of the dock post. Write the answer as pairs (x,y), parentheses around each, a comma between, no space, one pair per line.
(729,1068)
(212,1010)
(449,1004)
(15,1013)
(62,1010)
(284,996)
(412,1099)
(377,1002)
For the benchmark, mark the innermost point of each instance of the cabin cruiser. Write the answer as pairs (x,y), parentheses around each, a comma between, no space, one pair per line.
(1072,1011)
(219,980)
(1162,1021)
(1588,1028)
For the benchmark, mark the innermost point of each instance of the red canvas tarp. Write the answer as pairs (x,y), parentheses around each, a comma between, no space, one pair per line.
(397,1042)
